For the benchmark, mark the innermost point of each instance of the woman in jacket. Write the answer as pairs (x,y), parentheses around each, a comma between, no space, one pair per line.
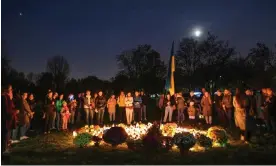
(239,102)
(206,104)
(168,104)
(218,106)
(111,106)
(129,108)
(49,112)
(88,108)
(122,107)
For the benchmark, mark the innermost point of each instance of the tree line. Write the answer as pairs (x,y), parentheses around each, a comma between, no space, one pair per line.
(209,63)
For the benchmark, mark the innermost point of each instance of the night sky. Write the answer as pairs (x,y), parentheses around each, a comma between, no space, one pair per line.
(90,33)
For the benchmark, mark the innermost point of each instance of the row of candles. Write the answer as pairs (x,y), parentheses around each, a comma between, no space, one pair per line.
(137,131)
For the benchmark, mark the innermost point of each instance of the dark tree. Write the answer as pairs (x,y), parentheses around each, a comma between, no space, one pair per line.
(59,68)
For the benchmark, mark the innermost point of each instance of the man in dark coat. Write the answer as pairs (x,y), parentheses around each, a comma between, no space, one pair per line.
(9,119)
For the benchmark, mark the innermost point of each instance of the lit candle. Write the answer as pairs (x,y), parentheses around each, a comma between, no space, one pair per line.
(75,133)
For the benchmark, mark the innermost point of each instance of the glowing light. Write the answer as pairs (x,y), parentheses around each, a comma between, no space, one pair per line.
(197,33)
(75,133)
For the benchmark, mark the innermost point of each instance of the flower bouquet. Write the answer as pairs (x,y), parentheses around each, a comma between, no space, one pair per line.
(184,141)
(169,129)
(115,136)
(82,140)
(218,135)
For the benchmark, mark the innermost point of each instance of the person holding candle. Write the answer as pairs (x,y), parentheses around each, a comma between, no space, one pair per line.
(137,106)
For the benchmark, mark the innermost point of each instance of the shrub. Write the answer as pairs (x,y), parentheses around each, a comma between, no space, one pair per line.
(115,136)
(82,139)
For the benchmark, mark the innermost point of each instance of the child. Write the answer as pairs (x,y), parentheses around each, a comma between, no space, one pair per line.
(111,105)
(65,114)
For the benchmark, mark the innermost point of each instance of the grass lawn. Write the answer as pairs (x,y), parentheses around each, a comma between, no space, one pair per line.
(58,148)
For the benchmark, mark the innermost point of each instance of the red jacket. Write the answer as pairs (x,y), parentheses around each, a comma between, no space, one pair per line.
(8,112)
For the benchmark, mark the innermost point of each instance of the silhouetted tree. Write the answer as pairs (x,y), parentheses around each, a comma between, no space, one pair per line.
(59,68)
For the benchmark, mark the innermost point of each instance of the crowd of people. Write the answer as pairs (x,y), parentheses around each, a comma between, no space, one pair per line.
(241,109)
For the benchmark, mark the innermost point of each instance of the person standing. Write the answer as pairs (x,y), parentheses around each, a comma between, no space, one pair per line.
(111,105)
(129,108)
(72,109)
(239,103)
(270,106)
(144,105)
(32,103)
(9,117)
(227,105)
(137,107)
(180,101)
(49,112)
(218,107)
(169,104)
(89,113)
(122,107)
(206,104)
(55,98)
(65,114)
(58,108)
(80,107)
(100,104)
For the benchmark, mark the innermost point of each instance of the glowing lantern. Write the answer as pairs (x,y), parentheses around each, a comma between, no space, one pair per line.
(75,133)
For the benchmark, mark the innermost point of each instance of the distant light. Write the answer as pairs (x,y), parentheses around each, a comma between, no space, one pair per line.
(197,33)
(20,14)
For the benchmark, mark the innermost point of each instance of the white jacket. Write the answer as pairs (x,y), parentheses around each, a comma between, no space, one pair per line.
(129,101)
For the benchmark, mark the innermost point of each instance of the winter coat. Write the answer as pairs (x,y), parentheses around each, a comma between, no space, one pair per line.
(206,104)
(218,101)
(227,101)
(137,101)
(129,102)
(65,113)
(9,118)
(170,102)
(191,111)
(180,102)
(87,102)
(25,113)
(49,107)
(100,102)
(144,100)
(59,105)
(111,105)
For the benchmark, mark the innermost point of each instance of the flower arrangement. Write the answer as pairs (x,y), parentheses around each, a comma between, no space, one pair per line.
(168,129)
(184,141)
(203,141)
(115,136)
(82,139)
(218,135)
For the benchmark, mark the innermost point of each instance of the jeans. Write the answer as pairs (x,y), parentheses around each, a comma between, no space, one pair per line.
(49,116)
(122,116)
(144,112)
(112,116)
(89,113)
(100,115)
(180,115)
(168,111)
(72,117)
(137,112)
(58,120)
(22,129)
(129,115)
(5,140)
(54,119)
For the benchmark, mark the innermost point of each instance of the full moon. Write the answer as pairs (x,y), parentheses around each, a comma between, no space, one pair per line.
(197,33)
(20,14)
